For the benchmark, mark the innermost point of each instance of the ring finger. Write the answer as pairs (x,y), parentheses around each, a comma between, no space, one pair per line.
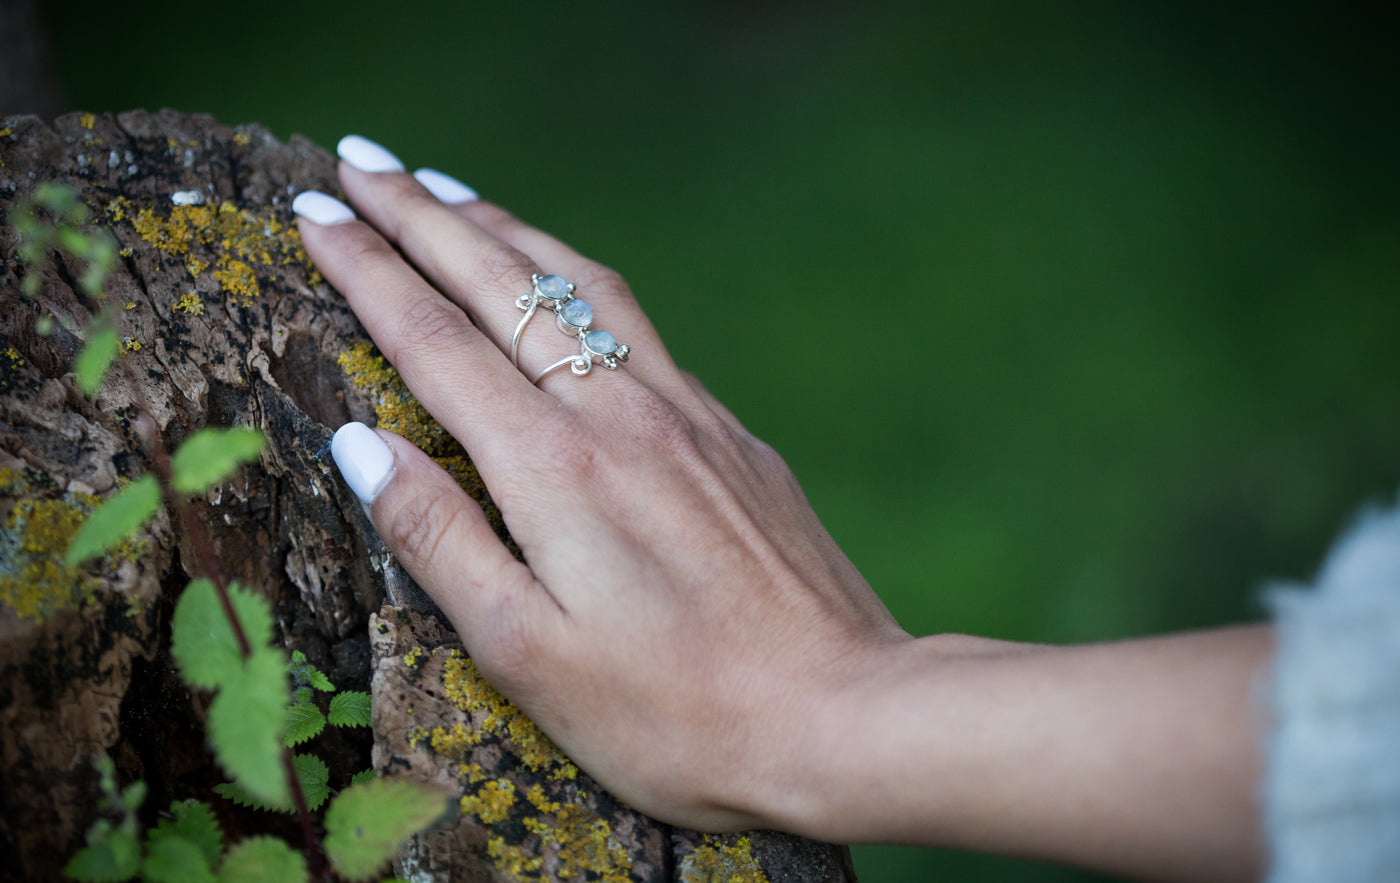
(475,269)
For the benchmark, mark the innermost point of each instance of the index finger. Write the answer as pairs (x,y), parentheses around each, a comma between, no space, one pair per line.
(460,376)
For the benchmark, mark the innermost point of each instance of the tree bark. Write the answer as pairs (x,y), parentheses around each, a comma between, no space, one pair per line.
(224,322)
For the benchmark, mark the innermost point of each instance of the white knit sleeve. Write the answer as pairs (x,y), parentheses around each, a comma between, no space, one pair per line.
(1332,783)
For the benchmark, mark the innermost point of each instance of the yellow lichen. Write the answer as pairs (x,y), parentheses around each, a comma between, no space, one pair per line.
(719,862)
(5,132)
(129,305)
(87,120)
(414,657)
(236,241)
(585,845)
(189,304)
(494,715)
(242,139)
(492,803)
(236,278)
(540,801)
(34,580)
(454,742)
(131,344)
(513,860)
(472,772)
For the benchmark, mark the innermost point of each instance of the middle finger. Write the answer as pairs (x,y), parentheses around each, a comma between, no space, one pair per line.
(476,270)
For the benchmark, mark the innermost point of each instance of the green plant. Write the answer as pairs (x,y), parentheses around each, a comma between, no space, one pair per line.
(221,641)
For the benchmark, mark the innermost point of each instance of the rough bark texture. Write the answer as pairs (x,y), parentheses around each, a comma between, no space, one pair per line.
(226,322)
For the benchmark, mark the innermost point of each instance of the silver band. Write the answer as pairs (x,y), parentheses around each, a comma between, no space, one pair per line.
(574,317)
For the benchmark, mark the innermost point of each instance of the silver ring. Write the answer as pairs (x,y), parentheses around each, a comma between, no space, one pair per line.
(552,291)
(574,317)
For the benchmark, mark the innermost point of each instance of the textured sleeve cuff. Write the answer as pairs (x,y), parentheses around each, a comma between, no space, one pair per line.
(1332,781)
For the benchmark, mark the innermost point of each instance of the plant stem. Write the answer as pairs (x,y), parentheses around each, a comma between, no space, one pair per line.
(208,564)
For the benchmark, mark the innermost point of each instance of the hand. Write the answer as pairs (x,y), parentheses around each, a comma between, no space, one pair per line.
(682,625)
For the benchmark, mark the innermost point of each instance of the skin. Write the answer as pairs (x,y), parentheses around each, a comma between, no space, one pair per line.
(686,629)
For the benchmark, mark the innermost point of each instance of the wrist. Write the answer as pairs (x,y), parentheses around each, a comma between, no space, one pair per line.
(864,745)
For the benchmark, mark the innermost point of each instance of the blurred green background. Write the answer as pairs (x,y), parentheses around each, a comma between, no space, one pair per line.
(1076,320)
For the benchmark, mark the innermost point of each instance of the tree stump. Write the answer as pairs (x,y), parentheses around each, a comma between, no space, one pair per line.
(225,321)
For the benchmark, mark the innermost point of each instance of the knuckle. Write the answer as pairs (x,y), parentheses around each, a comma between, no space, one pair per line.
(596,277)
(660,420)
(418,528)
(430,322)
(505,269)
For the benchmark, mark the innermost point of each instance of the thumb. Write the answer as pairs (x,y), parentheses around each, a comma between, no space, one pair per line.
(436,531)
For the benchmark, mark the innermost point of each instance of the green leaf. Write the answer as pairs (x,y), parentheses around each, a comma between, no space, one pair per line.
(304,721)
(366,823)
(245,725)
(118,516)
(211,455)
(134,796)
(194,822)
(314,777)
(232,791)
(363,776)
(263,860)
(176,860)
(95,358)
(202,641)
(113,858)
(350,709)
(320,681)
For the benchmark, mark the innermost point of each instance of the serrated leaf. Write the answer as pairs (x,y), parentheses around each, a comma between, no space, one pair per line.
(202,641)
(175,860)
(304,721)
(263,860)
(320,681)
(350,709)
(114,519)
(114,858)
(245,725)
(366,823)
(194,821)
(314,777)
(95,358)
(231,791)
(211,455)
(363,776)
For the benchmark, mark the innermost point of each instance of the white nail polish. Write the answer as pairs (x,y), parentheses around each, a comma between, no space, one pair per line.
(445,187)
(319,208)
(365,462)
(367,156)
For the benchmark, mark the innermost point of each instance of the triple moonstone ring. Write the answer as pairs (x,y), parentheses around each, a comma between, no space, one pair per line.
(574,317)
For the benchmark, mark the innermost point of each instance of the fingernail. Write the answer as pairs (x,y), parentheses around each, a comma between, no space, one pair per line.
(318,208)
(367,156)
(364,461)
(445,187)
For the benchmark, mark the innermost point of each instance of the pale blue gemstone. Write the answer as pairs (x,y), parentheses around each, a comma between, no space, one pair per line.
(552,287)
(577,313)
(600,342)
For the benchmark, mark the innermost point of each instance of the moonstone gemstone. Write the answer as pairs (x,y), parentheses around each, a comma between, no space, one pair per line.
(577,313)
(600,342)
(552,287)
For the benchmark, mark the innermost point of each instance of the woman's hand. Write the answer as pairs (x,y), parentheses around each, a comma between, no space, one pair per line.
(683,626)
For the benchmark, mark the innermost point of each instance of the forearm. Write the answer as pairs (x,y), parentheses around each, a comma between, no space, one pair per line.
(1138,758)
